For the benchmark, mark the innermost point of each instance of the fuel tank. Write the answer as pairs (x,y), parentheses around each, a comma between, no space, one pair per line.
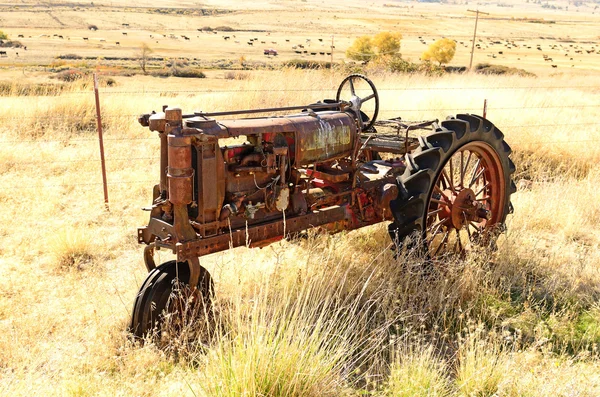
(318,136)
(323,136)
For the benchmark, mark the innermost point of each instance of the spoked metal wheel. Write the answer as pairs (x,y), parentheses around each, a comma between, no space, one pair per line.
(466,201)
(455,192)
(362,95)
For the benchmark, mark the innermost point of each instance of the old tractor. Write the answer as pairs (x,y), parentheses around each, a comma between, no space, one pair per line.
(331,165)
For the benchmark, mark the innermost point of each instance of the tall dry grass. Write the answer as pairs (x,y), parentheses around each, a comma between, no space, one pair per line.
(333,315)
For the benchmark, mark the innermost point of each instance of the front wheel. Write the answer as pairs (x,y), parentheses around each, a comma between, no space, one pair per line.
(455,191)
(165,298)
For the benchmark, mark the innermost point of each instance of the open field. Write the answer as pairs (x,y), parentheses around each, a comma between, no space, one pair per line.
(510,35)
(329,315)
(72,269)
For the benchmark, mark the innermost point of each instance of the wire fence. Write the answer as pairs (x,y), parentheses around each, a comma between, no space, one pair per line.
(331,89)
(14,144)
(456,109)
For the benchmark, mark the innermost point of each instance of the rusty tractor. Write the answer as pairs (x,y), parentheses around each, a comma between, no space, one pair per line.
(331,165)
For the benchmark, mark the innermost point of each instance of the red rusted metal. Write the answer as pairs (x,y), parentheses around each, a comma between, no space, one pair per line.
(484,108)
(467,196)
(101,141)
(316,168)
(215,196)
(254,236)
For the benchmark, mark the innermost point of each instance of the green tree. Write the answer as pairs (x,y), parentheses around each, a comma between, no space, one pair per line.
(361,49)
(3,36)
(442,51)
(387,43)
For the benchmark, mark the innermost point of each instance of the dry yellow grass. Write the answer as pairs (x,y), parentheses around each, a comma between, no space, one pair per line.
(333,315)
(62,329)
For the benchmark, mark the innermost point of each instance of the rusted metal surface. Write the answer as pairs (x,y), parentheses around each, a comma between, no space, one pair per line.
(257,234)
(319,106)
(101,141)
(324,137)
(149,257)
(467,197)
(311,169)
(180,171)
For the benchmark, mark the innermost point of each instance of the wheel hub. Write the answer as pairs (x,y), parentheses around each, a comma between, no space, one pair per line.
(462,207)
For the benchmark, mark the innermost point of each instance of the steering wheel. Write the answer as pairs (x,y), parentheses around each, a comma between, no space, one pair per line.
(356,82)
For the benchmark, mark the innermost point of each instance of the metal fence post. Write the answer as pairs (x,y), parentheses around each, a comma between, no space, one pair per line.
(485,108)
(102,162)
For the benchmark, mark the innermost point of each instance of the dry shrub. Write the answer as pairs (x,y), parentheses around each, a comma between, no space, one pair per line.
(73,248)
(417,370)
(486,68)
(189,325)
(15,88)
(236,75)
(70,75)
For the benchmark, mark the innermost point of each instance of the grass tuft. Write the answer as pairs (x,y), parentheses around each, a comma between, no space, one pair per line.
(418,371)
(73,248)
(482,365)
(295,337)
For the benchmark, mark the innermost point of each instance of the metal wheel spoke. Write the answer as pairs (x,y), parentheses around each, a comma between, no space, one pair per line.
(442,181)
(438,225)
(437,188)
(449,182)
(482,189)
(433,212)
(474,172)
(476,178)
(476,226)
(458,243)
(452,174)
(440,202)
(430,238)
(367,98)
(487,198)
(352,87)
(469,230)
(461,169)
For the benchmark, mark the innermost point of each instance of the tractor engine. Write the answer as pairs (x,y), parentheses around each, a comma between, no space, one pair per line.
(267,173)
(220,179)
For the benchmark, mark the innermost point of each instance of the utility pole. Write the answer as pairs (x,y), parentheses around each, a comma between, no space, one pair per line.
(477,12)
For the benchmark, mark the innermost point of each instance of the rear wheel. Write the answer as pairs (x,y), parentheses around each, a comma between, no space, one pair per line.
(165,298)
(456,189)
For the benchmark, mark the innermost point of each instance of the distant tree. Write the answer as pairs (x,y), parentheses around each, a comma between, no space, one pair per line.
(387,43)
(3,36)
(442,51)
(361,49)
(367,48)
(143,56)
